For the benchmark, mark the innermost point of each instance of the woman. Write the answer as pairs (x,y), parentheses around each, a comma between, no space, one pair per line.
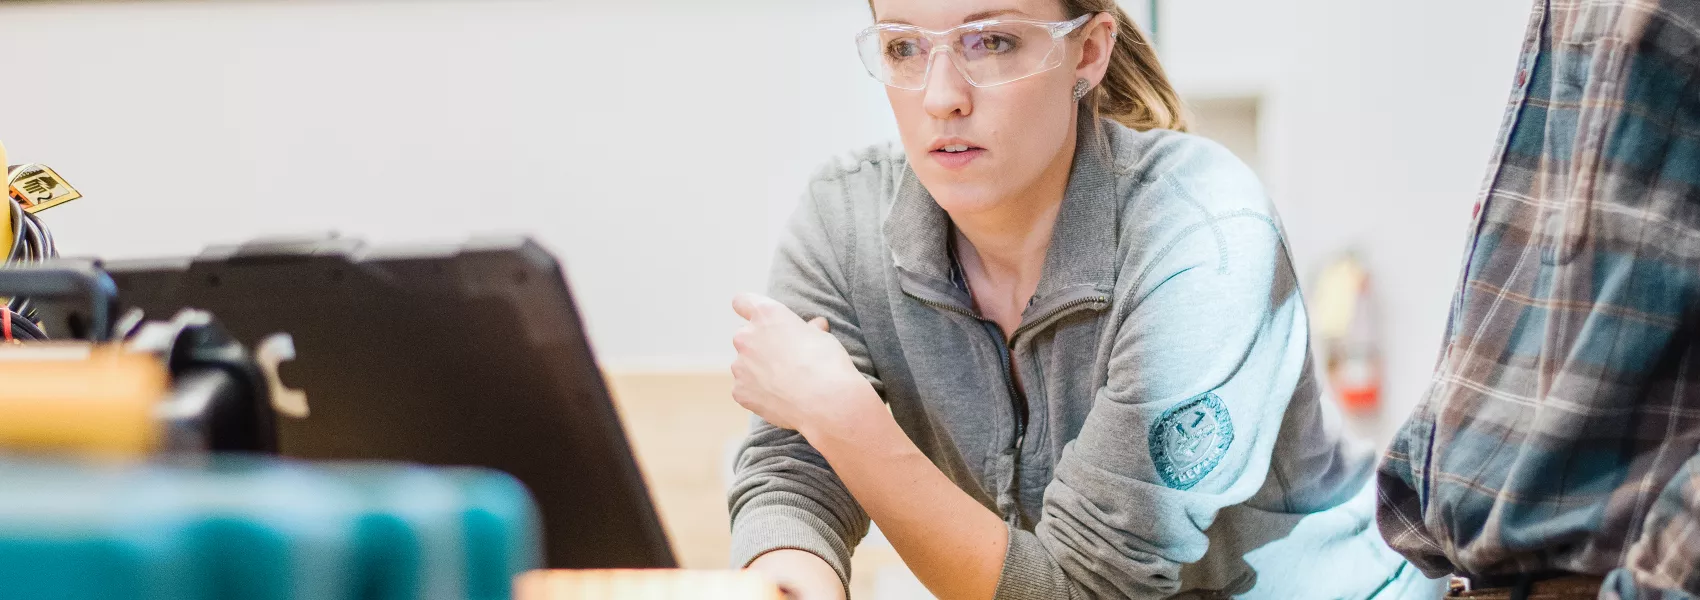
(1085,327)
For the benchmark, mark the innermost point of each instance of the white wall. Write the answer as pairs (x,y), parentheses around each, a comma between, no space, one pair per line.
(656,146)
(1376,123)
(657,150)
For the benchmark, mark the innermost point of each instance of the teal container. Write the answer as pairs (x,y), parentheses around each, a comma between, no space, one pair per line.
(263,529)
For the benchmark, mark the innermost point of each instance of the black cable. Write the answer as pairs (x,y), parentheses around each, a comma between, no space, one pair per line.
(31,240)
(46,237)
(26,330)
(17,232)
(18,306)
(37,240)
(31,243)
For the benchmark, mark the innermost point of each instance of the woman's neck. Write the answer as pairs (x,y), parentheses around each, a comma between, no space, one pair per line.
(1010,243)
(1010,240)
(1004,253)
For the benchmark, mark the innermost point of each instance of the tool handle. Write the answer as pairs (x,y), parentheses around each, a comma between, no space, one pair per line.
(67,280)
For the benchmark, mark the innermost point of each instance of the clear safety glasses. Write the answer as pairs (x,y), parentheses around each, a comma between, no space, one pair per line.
(986,53)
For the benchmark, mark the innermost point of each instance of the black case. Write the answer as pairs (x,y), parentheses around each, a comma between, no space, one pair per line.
(468,355)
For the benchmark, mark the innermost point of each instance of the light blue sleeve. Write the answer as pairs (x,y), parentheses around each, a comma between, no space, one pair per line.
(1211,351)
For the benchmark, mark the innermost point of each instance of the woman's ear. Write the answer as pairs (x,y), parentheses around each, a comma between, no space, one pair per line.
(1098,37)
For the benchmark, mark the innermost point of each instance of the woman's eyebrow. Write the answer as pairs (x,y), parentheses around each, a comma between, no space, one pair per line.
(987,14)
(979,16)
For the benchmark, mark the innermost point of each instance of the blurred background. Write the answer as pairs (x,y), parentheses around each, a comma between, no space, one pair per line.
(658,148)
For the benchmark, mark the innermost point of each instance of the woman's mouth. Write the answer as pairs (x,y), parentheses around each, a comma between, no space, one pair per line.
(956,156)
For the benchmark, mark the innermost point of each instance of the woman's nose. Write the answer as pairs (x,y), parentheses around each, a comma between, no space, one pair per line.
(948,94)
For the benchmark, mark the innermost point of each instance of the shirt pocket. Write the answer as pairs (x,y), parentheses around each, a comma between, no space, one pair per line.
(1585,72)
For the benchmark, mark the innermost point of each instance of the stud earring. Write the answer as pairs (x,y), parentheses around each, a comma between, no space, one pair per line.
(1080,89)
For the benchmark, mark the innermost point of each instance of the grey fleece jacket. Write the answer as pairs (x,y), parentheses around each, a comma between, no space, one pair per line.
(1166,437)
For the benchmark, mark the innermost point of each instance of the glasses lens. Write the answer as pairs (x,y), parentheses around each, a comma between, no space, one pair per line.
(897,56)
(1001,52)
(988,52)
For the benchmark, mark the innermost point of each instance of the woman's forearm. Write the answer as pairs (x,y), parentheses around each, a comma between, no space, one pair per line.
(954,545)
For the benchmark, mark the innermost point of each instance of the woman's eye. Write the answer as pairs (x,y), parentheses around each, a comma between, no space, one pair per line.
(899,49)
(997,44)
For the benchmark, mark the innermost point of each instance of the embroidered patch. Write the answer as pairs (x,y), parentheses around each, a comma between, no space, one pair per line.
(1189,439)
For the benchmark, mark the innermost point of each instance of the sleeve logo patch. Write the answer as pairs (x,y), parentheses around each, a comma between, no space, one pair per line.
(1189,439)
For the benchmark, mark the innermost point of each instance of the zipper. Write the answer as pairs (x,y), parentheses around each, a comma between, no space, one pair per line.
(1017,400)
(1065,307)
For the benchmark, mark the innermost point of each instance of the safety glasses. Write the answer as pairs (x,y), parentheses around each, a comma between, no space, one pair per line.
(986,53)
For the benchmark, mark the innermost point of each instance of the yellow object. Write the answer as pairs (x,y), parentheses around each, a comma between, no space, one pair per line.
(658,584)
(79,397)
(5,215)
(1337,292)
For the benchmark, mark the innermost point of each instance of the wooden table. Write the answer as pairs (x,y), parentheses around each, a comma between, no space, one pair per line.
(657,584)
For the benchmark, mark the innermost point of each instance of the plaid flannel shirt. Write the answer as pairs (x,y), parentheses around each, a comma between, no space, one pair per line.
(1561,430)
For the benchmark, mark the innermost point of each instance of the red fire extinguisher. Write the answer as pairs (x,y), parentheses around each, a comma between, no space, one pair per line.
(1344,316)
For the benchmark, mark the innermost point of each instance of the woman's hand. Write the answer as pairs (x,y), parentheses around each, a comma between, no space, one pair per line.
(803,576)
(792,373)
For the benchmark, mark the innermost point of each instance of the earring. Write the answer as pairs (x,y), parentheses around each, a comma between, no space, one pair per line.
(1080,89)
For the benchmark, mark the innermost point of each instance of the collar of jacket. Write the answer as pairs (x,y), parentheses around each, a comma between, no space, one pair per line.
(1079,264)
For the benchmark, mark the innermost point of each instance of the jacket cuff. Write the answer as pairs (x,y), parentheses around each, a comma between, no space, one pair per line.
(1028,571)
(768,528)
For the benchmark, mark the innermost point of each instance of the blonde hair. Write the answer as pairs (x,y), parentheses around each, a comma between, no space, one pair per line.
(1135,92)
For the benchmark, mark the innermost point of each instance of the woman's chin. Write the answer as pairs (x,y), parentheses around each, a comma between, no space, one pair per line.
(966,199)
(965,191)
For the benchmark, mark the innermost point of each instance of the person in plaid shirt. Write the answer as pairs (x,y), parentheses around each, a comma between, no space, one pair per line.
(1559,444)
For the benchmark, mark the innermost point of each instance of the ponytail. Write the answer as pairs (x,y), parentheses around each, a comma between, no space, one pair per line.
(1135,92)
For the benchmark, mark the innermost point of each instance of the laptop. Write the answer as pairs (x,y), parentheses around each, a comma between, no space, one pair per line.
(463,355)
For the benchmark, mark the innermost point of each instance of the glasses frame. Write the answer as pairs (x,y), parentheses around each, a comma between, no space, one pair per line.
(1058,30)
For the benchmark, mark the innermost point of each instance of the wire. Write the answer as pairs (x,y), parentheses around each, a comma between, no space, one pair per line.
(19,328)
(18,236)
(31,243)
